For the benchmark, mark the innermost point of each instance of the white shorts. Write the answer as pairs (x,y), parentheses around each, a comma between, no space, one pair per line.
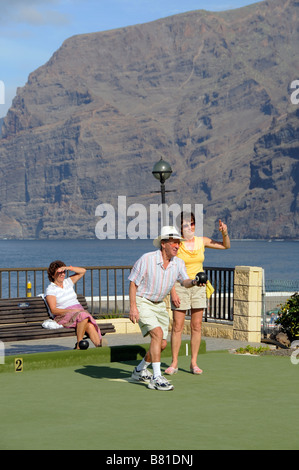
(152,315)
(194,297)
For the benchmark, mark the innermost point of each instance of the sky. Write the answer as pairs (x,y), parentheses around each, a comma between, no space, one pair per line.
(32,30)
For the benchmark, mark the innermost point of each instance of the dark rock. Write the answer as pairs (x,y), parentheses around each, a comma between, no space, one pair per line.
(210,92)
(282,338)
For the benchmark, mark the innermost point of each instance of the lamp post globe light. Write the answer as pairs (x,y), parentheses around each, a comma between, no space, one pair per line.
(162,171)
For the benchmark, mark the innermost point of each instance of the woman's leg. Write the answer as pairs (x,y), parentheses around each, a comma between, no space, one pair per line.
(80,330)
(93,334)
(196,323)
(176,335)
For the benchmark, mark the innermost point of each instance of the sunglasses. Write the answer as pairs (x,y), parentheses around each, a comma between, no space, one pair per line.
(174,242)
(62,273)
(189,224)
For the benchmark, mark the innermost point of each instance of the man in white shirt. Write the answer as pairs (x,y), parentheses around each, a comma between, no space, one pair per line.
(152,277)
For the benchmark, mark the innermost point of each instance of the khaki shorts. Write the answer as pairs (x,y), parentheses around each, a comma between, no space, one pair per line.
(152,315)
(193,297)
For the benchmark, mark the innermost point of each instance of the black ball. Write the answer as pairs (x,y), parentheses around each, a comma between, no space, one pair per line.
(83,344)
(201,278)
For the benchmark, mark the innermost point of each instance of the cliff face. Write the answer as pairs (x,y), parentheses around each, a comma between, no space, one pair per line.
(208,92)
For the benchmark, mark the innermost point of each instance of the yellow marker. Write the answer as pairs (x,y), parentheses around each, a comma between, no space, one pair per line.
(29,288)
(19,364)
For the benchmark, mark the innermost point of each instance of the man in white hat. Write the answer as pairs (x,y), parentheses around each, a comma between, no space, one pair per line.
(152,277)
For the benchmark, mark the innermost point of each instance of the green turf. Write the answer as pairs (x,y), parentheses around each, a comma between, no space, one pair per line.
(59,359)
(240,402)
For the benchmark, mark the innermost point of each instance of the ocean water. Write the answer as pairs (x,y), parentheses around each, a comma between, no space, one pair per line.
(280,259)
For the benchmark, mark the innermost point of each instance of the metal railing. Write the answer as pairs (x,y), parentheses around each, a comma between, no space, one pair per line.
(106,288)
(221,303)
(276,292)
(14,282)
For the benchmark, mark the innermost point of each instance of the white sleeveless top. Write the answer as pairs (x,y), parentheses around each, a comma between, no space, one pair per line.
(66,296)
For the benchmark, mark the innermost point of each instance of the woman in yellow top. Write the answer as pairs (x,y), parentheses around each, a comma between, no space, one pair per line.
(182,299)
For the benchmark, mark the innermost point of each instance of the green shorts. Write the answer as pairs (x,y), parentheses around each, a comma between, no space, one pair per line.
(152,315)
(193,297)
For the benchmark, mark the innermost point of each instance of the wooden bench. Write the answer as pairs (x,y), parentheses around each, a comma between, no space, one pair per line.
(21,319)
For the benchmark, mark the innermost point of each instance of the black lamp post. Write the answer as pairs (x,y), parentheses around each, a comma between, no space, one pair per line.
(162,171)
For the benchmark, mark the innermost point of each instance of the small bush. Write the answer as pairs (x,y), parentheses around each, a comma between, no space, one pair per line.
(288,317)
(252,350)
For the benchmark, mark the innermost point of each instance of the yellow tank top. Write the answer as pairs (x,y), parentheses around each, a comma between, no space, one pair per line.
(193,259)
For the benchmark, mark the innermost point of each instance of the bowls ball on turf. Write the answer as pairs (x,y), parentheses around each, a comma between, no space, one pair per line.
(83,344)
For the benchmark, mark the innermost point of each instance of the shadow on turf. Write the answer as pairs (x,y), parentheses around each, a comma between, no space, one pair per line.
(128,354)
(103,372)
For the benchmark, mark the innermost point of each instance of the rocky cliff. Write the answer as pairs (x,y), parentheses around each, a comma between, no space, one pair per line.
(210,92)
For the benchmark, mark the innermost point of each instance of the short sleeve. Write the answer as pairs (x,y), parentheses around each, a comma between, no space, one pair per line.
(137,271)
(51,289)
(68,282)
(182,274)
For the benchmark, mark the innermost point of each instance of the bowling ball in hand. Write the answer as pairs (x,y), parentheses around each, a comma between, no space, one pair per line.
(201,278)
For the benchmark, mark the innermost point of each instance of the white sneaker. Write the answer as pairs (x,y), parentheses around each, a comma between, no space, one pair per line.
(143,375)
(160,383)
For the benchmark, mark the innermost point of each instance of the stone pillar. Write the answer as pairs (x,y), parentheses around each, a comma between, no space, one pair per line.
(248,285)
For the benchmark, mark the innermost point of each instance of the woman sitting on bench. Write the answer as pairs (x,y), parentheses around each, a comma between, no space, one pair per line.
(64,305)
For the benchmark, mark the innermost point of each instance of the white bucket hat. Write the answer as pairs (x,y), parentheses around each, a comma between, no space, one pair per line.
(167,232)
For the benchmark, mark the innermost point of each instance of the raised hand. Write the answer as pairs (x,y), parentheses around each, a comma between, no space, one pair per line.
(222,227)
